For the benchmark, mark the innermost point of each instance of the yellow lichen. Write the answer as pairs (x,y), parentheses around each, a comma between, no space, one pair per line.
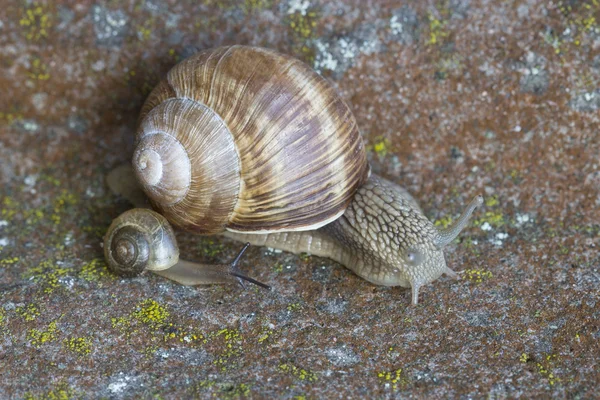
(150,312)
(491,201)
(544,368)
(29,312)
(299,373)
(494,218)
(264,335)
(61,392)
(9,117)
(210,247)
(8,260)
(437,30)
(303,25)
(47,274)
(37,337)
(393,378)
(477,275)
(94,270)
(225,390)
(36,22)
(232,346)
(444,222)
(79,345)
(10,207)
(524,358)
(38,70)
(60,203)
(254,5)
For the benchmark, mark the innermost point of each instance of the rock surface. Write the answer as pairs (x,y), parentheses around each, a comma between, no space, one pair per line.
(454,98)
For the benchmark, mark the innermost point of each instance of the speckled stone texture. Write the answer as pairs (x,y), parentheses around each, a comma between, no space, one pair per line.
(454,98)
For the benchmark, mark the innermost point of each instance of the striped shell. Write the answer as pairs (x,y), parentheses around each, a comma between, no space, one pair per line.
(248,140)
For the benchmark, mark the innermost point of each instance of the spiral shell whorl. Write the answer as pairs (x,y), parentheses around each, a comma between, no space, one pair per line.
(139,240)
(187,164)
(129,251)
(163,168)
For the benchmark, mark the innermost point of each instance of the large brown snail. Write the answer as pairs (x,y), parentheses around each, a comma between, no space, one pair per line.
(256,145)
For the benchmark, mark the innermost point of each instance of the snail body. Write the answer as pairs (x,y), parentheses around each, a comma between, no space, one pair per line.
(255,145)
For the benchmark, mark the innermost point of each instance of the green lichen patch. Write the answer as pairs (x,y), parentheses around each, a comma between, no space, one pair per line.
(222,390)
(7,261)
(29,312)
(9,208)
(210,247)
(491,201)
(256,5)
(61,392)
(38,70)
(545,369)
(265,336)
(298,373)
(79,345)
(232,348)
(61,204)
(47,274)
(278,267)
(10,116)
(444,222)
(494,218)
(38,337)
(303,27)
(437,30)
(292,307)
(477,275)
(36,22)
(95,270)
(173,332)
(393,379)
(581,18)
(381,146)
(150,312)
(155,319)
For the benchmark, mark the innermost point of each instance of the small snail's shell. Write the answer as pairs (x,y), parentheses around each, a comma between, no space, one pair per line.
(139,240)
(249,140)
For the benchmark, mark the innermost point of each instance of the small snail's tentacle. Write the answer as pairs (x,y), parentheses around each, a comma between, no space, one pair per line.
(446,236)
(191,273)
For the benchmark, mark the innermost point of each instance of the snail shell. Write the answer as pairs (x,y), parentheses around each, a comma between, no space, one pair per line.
(248,140)
(140,239)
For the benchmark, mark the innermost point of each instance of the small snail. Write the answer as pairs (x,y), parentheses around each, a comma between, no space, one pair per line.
(256,145)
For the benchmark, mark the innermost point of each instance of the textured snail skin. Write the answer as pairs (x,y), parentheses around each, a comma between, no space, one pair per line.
(382,236)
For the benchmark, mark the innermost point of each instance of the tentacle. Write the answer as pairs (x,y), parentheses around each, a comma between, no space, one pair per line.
(415,286)
(446,236)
